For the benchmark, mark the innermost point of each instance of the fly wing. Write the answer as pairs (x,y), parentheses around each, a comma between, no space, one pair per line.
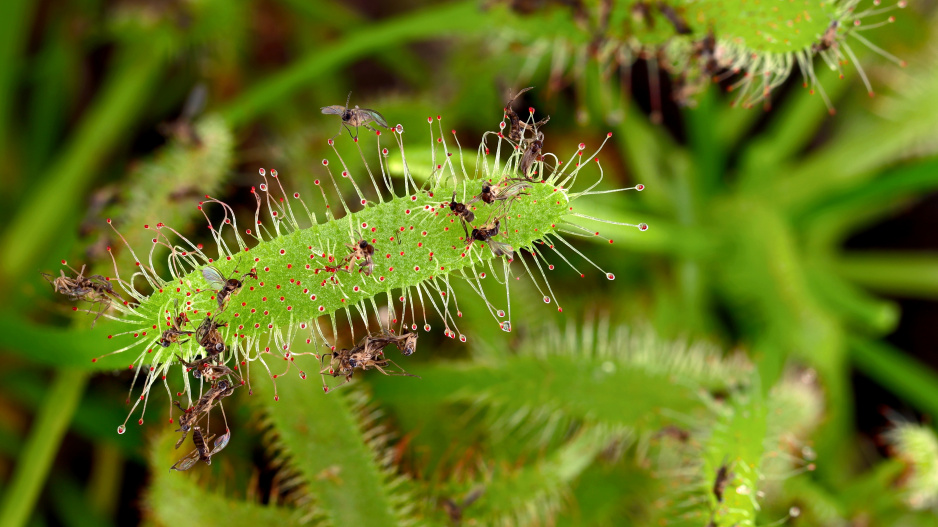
(375,116)
(195,102)
(221,442)
(502,249)
(187,462)
(333,110)
(214,278)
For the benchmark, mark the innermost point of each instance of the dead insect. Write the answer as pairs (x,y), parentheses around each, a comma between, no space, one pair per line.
(205,369)
(355,117)
(192,415)
(706,52)
(224,287)
(183,128)
(828,39)
(500,192)
(366,355)
(455,510)
(517,126)
(532,153)
(486,234)
(201,452)
(209,337)
(678,21)
(361,250)
(175,331)
(82,287)
(721,481)
(407,343)
(466,216)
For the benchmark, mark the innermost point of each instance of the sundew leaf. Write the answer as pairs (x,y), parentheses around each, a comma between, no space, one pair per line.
(534,493)
(175,498)
(321,441)
(617,377)
(759,45)
(297,271)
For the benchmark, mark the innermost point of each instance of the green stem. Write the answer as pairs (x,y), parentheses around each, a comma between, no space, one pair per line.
(895,370)
(15,21)
(56,198)
(910,275)
(44,439)
(461,17)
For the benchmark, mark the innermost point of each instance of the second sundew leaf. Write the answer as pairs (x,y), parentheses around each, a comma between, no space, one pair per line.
(174,498)
(320,440)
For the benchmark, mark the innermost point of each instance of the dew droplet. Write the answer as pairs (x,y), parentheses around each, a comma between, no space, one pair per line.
(501,313)
(610,276)
(262,172)
(462,338)
(426,327)
(121,429)
(506,326)
(643,227)
(547,300)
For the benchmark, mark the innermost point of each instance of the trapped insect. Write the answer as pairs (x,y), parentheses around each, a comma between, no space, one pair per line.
(201,452)
(532,154)
(203,368)
(192,415)
(366,355)
(721,481)
(466,216)
(209,337)
(361,250)
(225,288)
(828,39)
(517,126)
(502,191)
(175,331)
(355,117)
(486,233)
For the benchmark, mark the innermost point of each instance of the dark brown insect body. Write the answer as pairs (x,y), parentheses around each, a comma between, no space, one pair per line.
(366,355)
(486,233)
(517,127)
(721,481)
(192,415)
(362,250)
(355,117)
(209,337)
(828,39)
(206,368)
(532,154)
(202,452)
(175,331)
(224,288)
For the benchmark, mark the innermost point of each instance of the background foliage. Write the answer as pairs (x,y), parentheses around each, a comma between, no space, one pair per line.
(795,249)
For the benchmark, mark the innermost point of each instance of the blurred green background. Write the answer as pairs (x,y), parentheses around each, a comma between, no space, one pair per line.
(796,236)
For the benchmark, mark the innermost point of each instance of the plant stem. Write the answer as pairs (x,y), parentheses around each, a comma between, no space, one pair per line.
(50,426)
(904,274)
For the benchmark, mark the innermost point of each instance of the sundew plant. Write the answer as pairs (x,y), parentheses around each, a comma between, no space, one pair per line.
(571,263)
(304,274)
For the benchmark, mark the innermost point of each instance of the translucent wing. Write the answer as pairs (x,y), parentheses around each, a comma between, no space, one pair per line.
(500,249)
(221,442)
(195,102)
(214,278)
(187,462)
(333,110)
(375,116)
